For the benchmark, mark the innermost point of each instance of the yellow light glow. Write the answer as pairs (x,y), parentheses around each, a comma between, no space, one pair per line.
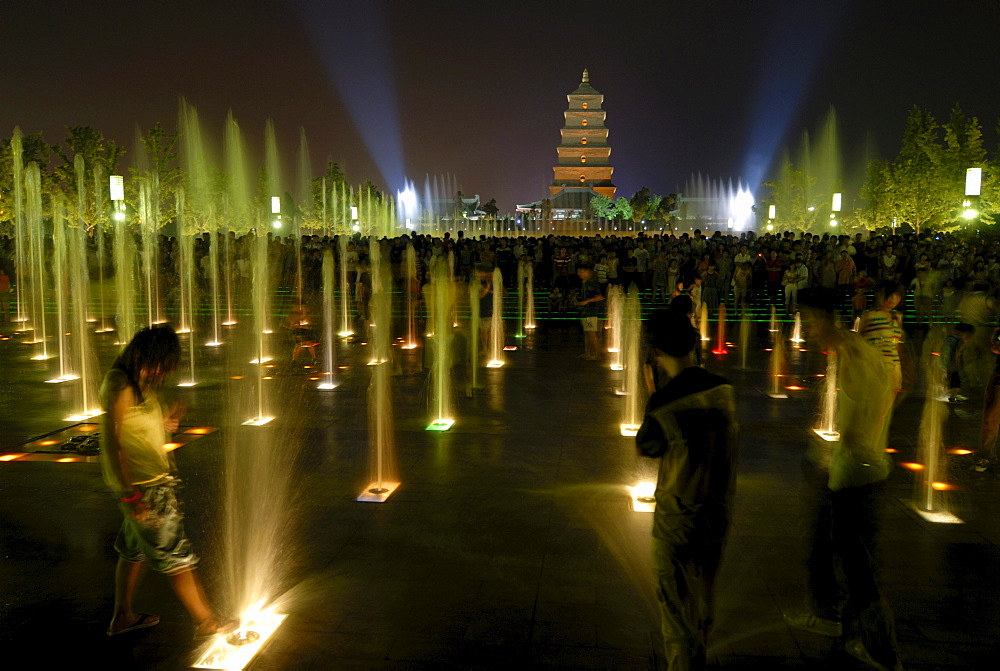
(959,450)
(201,430)
(66,460)
(970,213)
(170,447)
(891,450)
(643,497)
(369,496)
(257,421)
(11,457)
(617,366)
(48,442)
(494,364)
(943,487)
(236,377)
(218,653)
(912,466)
(628,429)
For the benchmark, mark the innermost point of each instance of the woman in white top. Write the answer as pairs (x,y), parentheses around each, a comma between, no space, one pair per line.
(135,466)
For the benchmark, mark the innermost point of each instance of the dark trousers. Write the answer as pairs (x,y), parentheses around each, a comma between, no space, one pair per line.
(843,526)
(685,584)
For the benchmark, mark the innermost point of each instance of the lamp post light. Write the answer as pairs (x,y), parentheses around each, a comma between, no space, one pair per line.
(276,211)
(973,189)
(835,206)
(116,185)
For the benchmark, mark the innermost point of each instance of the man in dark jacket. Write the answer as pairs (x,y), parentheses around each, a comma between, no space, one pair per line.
(690,425)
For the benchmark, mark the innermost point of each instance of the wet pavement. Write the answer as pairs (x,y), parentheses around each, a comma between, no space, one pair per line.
(509,544)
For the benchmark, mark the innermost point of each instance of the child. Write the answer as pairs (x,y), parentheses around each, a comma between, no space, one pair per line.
(951,355)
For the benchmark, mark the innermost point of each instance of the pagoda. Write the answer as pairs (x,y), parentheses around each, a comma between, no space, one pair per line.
(584,155)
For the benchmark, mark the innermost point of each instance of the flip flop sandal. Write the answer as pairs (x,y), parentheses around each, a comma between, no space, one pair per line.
(145,620)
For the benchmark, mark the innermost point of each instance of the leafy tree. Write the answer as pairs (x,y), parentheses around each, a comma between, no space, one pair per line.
(623,209)
(96,150)
(602,206)
(490,208)
(33,149)
(920,196)
(791,195)
(877,192)
(640,203)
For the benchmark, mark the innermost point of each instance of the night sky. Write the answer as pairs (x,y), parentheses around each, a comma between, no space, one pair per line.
(477,90)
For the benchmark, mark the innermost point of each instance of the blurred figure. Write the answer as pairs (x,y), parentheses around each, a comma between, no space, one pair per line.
(302,332)
(951,358)
(882,327)
(843,490)
(690,425)
(588,299)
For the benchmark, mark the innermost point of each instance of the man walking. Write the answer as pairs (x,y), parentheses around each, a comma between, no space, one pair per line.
(690,425)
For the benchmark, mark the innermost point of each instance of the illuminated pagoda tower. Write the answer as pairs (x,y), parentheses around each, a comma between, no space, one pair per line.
(583,168)
(584,155)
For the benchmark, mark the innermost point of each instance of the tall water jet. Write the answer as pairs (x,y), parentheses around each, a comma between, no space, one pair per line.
(60,285)
(744,338)
(412,292)
(33,202)
(261,304)
(930,490)
(521,279)
(496,359)
(213,284)
(346,329)
(475,327)
(633,379)
(827,427)
(776,369)
(124,256)
(797,330)
(99,232)
(614,327)
(529,311)
(720,328)
(329,319)
(86,401)
(21,231)
(703,323)
(440,378)
(381,442)
(773,328)
(185,275)
(228,266)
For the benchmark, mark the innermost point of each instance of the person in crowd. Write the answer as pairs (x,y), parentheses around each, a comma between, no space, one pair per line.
(882,327)
(951,357)
(588,301)
(690,426)
(843,487)
(136,467)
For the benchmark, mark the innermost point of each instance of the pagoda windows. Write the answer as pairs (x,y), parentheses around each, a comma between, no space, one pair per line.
(583,159)
(583,122)
(584,105)
(583,140)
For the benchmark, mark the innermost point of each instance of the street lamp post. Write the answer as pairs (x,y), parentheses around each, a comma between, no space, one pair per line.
(973,189)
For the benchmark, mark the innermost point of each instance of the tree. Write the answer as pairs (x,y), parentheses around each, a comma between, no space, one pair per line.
(963,138)
(791,195)
(640,203)
(602,206)
(490,208)
(33,150)
(96,150)
(919,195)
(877,193)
